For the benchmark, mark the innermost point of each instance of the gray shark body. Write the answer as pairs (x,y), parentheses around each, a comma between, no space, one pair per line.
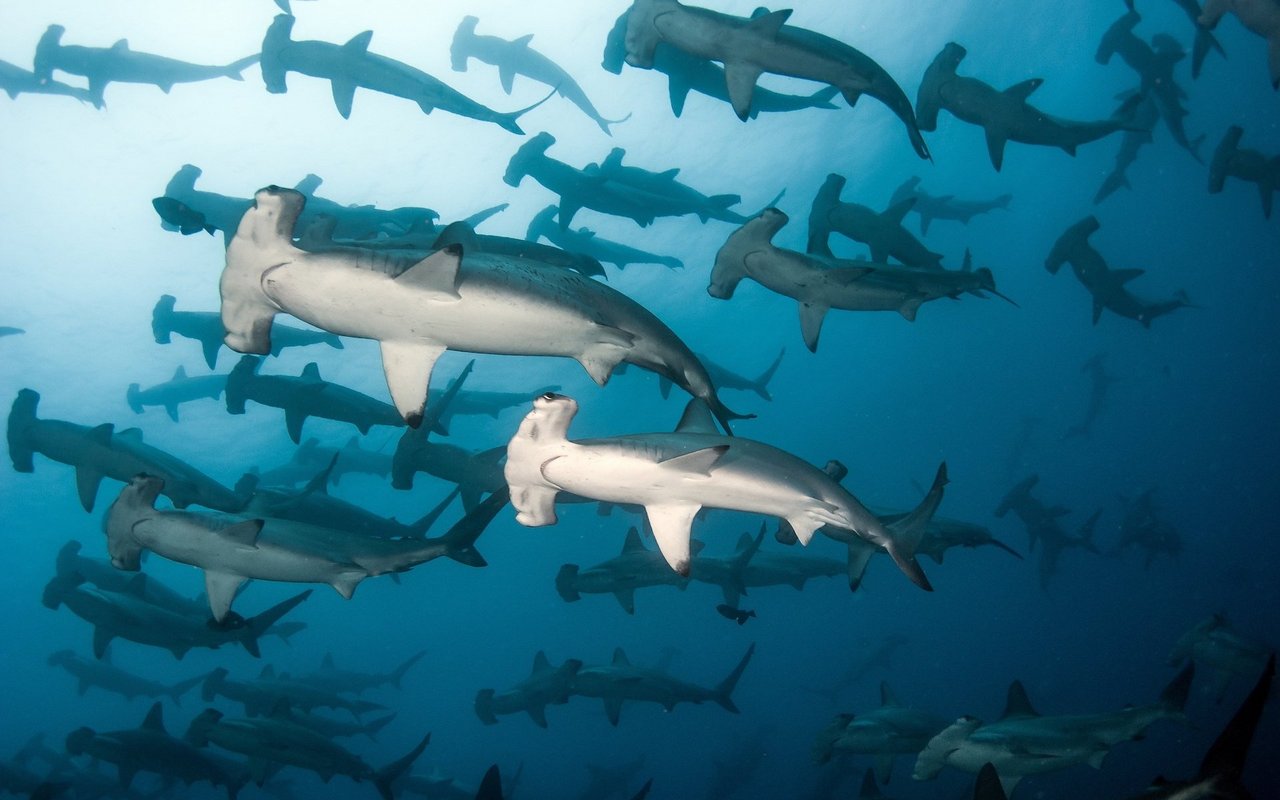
(339,728)
(882,232)
(514,58)
(1106,285)
(418,310)
(1154,66)
(233,550)
(15,80)
(350,66)
(119,64)
(1023,742)
(311,457)
(585,242)
(279,740)
(1100,382)
(726,378)
(1259,16)
(934,207)
(475,474)
(674,475)
(1044,527)
(665,185)
(884,733)
(150,748)
(1142,126)
(1143,527)
(174,392)
(100,452)
(546,685)
(688,73)
(636,567)
(102,674)
(307,395)
(102,574)
(621,681)
(334,679)
(1204,38)
(1212,643)
(1245,164)
(750,568)
(764,43)
(1004,116)
(206,328)
(7,330)
(261,696)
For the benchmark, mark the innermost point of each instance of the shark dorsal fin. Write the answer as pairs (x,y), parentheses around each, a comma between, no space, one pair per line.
(614,159)
(122,44)
(130,435)
(540,663)
(967,264)
(523,41)
(1021,91)
(769,22)
(887,697)
(319,483)
(155,719)
(697,418)
(620,658)
(311,373)
(459,233)
(899,209)
(633,543)
(1018,704)
(101,434)
(309,184)
(179,374)
(360,41)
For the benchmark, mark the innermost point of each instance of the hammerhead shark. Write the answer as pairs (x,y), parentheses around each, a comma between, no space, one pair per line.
(885,733)
(546,685)
(15,80)
(516,57)
(587,243)
(933,207)
(1259,16)
(763,43)
(634,568)
(620,681)
(1139,134)
(103,65)
(1100,382)
(206,328)
(882,232)
(1204,41)
(350,66)
(1246,164)
(1004,116)
(179,389)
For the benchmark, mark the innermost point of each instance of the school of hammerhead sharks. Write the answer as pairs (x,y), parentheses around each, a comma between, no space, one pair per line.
(419,288)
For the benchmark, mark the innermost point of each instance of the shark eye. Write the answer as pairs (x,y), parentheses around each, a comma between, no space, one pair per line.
(549,396)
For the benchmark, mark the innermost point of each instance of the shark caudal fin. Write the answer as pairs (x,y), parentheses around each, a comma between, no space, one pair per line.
(724,690)
(22,415)
(507,121)
(399,672)
(424,523)
(386,776)
(906,533)
(234,69)
(761,384)
(255,627)
(177,690)
(1174,696)
(373,728)
(1226,757)
(460,541)
(567,583)
(1223,155)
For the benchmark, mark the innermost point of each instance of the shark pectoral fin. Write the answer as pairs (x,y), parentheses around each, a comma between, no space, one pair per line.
(678,91)
(293,419)
(699,463)
(210,346)
(804,526)
(408,366)
(627,599)
(671,528)
(437,274)
(995,147)
(741,79)
(910,306)
(87,482)
(613,709)
(172,410)
(884,767)
(1097,758)
(535,505)
(538,714)
(608,351)
(506,76)
(811,317)
(1008,782)
(221,588)
(101,641)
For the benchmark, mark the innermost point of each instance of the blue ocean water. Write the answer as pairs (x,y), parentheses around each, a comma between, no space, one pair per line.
(1190,414)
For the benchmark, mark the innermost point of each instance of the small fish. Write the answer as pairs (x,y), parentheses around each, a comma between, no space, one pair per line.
(736,614)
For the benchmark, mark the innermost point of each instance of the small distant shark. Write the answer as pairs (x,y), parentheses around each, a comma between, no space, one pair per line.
(1204,41)
(584,241)
(1043,526)
(1215,644)
(674,475)
(350,66)
(546,685)
(1004,116)
(726,378)
(15,80)
(516,57)
(686,73)
(312,457)
(621,681)
(1245,164)
(1023,742)
(1144,528)
(748,47)
(886,732)
(636,567)
(206,328)
(307,395)
(442,306)
(102,674)
(1106,285)
(6,330)
(260,697)
(611,780)
(332,678)
(474,473)
(1139,134)
(882,232)
(278,739)
(174,392)
(1259,16)
(932,207)
(119,64)
(665,184)
(1100,382)
(150,748)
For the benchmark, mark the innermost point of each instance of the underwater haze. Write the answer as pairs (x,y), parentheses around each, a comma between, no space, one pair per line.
(1152,432)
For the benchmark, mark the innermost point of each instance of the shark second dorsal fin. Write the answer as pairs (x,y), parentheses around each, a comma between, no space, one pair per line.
(620,658)
(540,663)
(633,543)
(311,373)
(1018,704)
(154,720)
(769,22)
(523,41)
(359,42)
(697,418)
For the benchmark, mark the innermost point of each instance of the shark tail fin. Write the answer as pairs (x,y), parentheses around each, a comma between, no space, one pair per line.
(391,772)
(234,69)
(508,121)
(907,533)
(373,728)
(398,674)
(22,415)
(567,583)
(177,690)
(484,707)
(1223,155)
(426,521)
(461,539)
(761,384)
(133,396)
(724,689)
(1174,696)
(260,624)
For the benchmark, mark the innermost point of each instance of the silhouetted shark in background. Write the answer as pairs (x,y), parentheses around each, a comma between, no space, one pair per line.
(15,80)
(882,232)
(586,242)
(1262,17)
(174,392)
(1100,382)
(931,207)
(206,328)
(1251,166)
